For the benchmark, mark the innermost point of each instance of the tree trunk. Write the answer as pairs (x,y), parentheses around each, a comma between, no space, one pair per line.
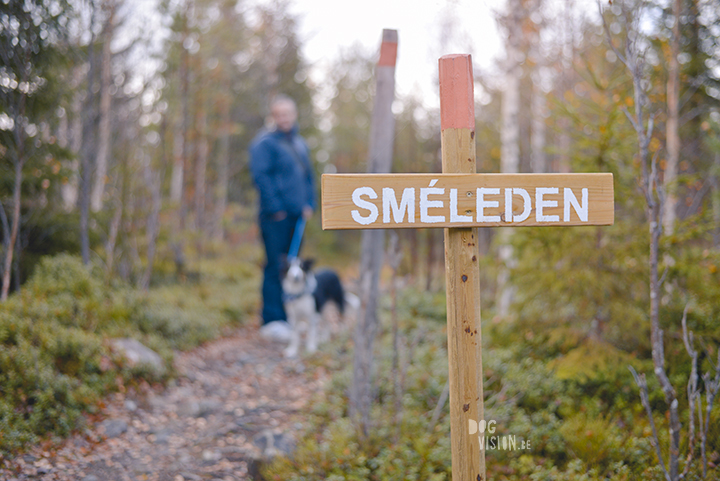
(510,154)
(430,236)
(69,189)
(154,182)
(176,180)
(382,132)
(88,148)
(716,202)
(412,240)
(177,196)
(564,141)
(201,167)
(17,257)
(654,201)
(101,162)
(17,188)
(537,139)
(112,237)
(6,235)
(221,187)
(672,127)
(19,163)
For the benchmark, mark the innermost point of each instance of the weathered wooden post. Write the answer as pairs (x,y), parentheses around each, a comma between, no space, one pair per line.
(382,133)
(461,200)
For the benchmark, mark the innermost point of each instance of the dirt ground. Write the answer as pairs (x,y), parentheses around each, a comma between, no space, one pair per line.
(235,401)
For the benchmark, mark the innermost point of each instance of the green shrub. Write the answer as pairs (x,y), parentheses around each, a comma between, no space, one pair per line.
(181,327)
(36,399)
(554,405)
(53,339)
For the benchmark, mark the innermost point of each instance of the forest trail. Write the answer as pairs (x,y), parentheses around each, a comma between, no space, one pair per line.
(235,400)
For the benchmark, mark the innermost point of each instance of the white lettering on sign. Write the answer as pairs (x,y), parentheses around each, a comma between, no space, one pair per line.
(569,198)
(363,204)
(482,203)
(407,204)
(527,206)
(454,216)
(541,203)
(395,212)
(425,204)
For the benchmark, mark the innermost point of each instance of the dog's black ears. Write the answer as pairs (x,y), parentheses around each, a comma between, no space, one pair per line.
(307,264)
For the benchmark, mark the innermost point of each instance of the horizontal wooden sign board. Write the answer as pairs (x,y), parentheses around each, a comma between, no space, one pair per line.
(390,201)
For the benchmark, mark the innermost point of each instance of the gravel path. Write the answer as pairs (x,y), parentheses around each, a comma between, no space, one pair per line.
(236,401)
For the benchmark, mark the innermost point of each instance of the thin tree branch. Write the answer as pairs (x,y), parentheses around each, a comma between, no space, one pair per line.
(609,37)
(662,278)
(632,120)
(655,441)
(692,389)
(651,125)
(439,407)
(711,389)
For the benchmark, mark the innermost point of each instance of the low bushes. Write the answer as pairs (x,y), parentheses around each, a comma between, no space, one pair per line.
(580,425)
(55,356)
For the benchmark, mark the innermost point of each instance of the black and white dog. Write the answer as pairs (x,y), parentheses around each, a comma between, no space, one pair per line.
(307,297)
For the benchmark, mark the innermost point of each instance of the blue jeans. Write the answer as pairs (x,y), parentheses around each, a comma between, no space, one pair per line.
(277,236)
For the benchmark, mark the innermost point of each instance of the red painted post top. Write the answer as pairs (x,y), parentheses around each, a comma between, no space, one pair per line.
(457,100)
(388,48)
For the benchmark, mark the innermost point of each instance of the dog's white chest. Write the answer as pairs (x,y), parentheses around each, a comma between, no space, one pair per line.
(301,308)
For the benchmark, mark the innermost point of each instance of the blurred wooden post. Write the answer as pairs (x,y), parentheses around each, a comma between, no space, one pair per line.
(382,132)
(462,275)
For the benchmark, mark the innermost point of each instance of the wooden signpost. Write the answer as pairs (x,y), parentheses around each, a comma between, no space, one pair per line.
(460,200)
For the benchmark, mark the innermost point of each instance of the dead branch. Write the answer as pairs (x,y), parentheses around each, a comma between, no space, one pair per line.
(642,384)
(439,407)
(692,390)
(711,390)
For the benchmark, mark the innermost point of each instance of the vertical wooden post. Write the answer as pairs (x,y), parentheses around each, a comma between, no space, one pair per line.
(382,133)
(457,121)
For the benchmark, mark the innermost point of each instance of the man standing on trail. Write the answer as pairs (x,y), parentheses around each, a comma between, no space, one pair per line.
(281,170)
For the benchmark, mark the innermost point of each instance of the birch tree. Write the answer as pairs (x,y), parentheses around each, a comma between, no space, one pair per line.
(672,127)
(109,8)
(632,53)
(522,36)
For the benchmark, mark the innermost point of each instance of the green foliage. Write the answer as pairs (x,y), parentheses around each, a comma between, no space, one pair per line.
(583,279)
(594,440)
(574,425)
(55,358)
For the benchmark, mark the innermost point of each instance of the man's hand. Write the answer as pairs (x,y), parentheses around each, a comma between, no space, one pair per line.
(279,215)
(307,212)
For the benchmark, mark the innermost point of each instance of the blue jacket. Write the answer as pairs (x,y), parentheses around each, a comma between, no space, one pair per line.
(281,170)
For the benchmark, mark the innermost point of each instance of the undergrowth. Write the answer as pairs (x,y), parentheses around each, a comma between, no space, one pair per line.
(578,409)
(55,357)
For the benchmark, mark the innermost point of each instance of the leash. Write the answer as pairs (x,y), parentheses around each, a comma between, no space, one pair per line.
(297,238)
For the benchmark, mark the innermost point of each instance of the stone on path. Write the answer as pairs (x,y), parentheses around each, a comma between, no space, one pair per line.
(272,443)
(137,353)
(114,427)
